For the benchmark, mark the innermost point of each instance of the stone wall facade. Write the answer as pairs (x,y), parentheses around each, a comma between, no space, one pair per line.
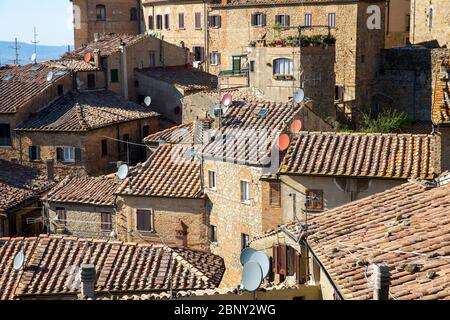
(430,22)
(179,222)
(398,22)
(118,19)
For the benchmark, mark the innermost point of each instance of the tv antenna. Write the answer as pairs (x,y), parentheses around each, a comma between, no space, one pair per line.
(35,41)
(16,49)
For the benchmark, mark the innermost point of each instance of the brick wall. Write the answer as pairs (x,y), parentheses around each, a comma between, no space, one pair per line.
(170,214)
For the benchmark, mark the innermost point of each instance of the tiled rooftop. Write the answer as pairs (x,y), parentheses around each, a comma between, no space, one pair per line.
(20,84)
(85,190)
(169,172)
(441,103)
(182,134)
(406,227)
(399,156)
(74,65)
(122,268)
(86,111)
(19,183)
(269,2)
(186,78)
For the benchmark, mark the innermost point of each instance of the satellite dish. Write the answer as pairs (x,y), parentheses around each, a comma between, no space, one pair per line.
(263,260)
(122,172)
(19,260)
(227,100)
(34,57)
(252,276)
(296,126)
(112,234)
(246,254)
(299,96)
(148,101)
(87,57)
(283,142)
(50,76)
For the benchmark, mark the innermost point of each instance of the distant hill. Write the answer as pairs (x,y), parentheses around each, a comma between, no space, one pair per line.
(26,50)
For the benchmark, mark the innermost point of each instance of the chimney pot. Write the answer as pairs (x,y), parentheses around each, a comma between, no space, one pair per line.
(88,278)
(50,170)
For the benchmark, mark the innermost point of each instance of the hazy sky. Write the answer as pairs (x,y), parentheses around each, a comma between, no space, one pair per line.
(52,18)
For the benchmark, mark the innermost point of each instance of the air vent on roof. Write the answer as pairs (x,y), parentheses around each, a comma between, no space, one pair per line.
(263,112)
(35,68)
(60,73)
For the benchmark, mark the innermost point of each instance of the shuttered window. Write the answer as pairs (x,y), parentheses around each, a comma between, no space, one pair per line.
(106,221)
(215,21)
(308,20)
(298,276)
(332,20)
(275,194)
(280,260)
(34,153)
(283,19)
(166,22)
(151,23)
(5,134)
(181,21)
(198,20)
(145,220)
(61,217)
(258,19)
(314,200)
(159,22)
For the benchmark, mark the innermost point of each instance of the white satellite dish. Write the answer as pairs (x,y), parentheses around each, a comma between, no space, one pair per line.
(113,234)
(252,276)
(122,172)
(263,260)
(299,96)
(148,101)
(50,76)
(19,260)
(246,255)
(34,57)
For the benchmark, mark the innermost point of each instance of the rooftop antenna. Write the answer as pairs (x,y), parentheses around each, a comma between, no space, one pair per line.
(16,49)
(35,41)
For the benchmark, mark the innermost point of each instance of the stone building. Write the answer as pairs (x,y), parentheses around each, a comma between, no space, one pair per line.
(322,171)
(99,17)
(20,207)
(118,56)
(393,228)
(398,23)
(87,133)
(241,156)
(168,86)
(120,269)
(430,22)
(24,90)
(83,207)
(162,200)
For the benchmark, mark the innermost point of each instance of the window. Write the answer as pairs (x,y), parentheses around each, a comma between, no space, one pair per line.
(332,20)
(5,135)
(106,221)
(133,14)
(339,93)
(275,194)
(314,200)
(152,61)
(166,22)
(181,20)
(145,220)
(198,20)
(252,66)
(212,180)
(159,22)
(151,23)
(60,89)
(308,19)
(199,53)
(213,234)
(104,148)
(91,81)
(215,21)
(68,154)
(407,22)
(430,19)
(145,131)
(214,58)
(61,217)
(34,153)
(245,240)
(245,191)
(258,19)
(283,66)
(101,12)
(114,75)
(283,20)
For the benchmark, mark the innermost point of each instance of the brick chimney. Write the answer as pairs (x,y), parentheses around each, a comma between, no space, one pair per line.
(97,59)
(88,278)
(381,278)
(50,170)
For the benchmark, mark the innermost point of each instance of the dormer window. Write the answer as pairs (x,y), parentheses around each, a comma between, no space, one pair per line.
(100,10)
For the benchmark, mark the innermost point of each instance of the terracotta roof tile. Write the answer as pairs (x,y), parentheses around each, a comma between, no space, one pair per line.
(19,183)
(399,156)
(86,111)
(20,84)
(406,228)
(169,172)
(182,134)
(441,103)
(85,190)
(52,262)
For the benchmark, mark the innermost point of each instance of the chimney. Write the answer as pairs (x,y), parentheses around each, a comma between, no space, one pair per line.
(50,170)
(381,278)
(97,58)
(88,277)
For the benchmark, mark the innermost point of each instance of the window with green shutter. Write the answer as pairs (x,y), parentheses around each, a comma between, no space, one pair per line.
(34,153)
(77,155)
(59,154)
(114,75)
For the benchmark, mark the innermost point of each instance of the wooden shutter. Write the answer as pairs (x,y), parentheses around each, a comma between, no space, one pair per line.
(288,20)
(150,23)
(264,19)
(59,154)
(77,154)
(253,19)
(298,261)
(219,22)
(275,194)
(283,260)
(218,58)
(275,259)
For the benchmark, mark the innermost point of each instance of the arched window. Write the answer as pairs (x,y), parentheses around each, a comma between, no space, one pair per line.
(133,14)
(100,10)
(283,66)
